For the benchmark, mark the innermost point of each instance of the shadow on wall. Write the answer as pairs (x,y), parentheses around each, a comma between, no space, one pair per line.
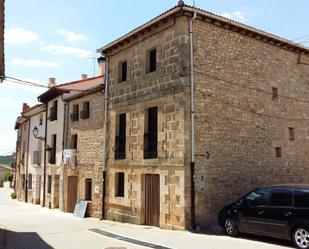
(15,240)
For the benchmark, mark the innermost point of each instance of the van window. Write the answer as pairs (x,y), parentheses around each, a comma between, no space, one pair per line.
(257,198)
(301,198)
(281,197)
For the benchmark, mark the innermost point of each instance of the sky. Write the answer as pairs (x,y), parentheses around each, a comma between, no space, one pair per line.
(56,38)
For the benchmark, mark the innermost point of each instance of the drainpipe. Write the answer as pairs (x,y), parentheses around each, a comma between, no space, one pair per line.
(64,146)
(192,164)
(44,164)
(27,161)
(105,135)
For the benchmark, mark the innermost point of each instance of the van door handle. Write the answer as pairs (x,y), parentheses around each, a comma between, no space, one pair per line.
(260,212)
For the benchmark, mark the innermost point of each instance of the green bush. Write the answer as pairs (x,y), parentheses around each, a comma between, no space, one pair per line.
(7,176)
(13,195)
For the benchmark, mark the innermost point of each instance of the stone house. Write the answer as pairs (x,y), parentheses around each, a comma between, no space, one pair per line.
(83,167)
(53,98)
(201,109)
(3,170)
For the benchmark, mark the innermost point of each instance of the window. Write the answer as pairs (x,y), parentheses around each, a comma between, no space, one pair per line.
(52,151)
(151,133)
(278,152)
(88,189)
(74,141)
(122,71)
(257,198)
(49,184)
(41,120)
(275,93)
(291,134)
(301,198)
(152,61)
(281,197)
(53,111)
(85,113)
(119,188)
(120,139)
(75,114)
(30,181)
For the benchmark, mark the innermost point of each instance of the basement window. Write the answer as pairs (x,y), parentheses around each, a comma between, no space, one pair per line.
(122,71)
(274,93)
(120,139)
(291,134)
(151,61)
(119,184)
(151,133)
(49,184)
(88,189)
(278,152)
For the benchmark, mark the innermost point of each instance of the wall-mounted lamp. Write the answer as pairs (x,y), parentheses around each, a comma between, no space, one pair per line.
(35,132)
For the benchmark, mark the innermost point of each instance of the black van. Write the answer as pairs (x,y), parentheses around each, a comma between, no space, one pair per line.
(276,211)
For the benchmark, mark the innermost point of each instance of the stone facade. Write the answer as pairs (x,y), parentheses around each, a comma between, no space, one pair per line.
(89,151)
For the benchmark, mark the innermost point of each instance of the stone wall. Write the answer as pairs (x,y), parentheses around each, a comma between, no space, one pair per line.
(238,121)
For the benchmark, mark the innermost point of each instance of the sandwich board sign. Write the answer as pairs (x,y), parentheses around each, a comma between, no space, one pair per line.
(80,209)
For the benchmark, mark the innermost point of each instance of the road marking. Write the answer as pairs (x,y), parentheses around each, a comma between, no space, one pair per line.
(126,239)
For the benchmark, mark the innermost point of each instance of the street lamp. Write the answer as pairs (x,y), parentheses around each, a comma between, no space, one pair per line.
(35,132)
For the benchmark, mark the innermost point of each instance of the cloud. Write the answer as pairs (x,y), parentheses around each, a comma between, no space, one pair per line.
(8,103)
(8,84)
(19,36)
(59,49)
(239,15)
(34,63)
(71,36)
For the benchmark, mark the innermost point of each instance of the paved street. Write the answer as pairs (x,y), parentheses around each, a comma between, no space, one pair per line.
(26,226)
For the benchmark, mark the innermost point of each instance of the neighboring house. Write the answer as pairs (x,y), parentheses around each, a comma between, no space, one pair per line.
(22,126)
(201,110)
(83,158)
(3,170)
(55,133)
(35,172)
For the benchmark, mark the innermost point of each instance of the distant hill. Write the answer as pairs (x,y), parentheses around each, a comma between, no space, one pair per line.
(6,160)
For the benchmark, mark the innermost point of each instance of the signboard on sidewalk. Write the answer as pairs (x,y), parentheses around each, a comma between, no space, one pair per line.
(80,209)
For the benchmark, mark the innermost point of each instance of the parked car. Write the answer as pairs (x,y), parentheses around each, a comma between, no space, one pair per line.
(276,211)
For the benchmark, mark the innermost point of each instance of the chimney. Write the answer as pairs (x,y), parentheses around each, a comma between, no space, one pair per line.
(25,107)
(181,3)
(84,76)
(51,82)
(101,62)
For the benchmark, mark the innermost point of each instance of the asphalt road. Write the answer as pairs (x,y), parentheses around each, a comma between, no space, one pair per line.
(27,226)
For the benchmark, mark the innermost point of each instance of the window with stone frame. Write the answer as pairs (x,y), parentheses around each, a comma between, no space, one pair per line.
(52,150)
(85,113)
(49,184)
(151,133)
(88,189)
(122,71)
(291,134)
(151,61)
(278,152)
(119,184)
(53,111)
(75,113)
(120,138)
(74,141)
(274,93)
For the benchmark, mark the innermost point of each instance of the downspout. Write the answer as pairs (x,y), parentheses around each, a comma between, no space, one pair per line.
(64,146)
(192,109)
(106,77)
(27,162)
(44,164)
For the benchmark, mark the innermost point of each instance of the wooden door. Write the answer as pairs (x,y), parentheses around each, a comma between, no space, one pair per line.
(72,193)
(152,200)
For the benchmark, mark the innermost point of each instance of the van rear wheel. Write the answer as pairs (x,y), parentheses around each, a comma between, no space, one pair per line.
(230,227)
(301,237)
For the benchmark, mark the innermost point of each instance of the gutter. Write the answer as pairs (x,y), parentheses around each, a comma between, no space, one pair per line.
(44,164)
(105,136)
(192,112)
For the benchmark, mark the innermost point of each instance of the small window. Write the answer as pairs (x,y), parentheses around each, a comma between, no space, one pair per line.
(53,112)
(74,141)
(122,74)
(85,113)
(49,184)
(53,149)
(152,61)
(281,198)
(151,133)
(291,134)
(278,152)
(30,181)
(41,120)
(301,198)
(275,93)
(257,198)
(75,114)
(88,189)
(120,138)
(119,188)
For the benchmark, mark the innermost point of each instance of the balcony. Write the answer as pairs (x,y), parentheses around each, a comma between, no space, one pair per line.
(69,157)
(150,145)
(120,147)
(36,160)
